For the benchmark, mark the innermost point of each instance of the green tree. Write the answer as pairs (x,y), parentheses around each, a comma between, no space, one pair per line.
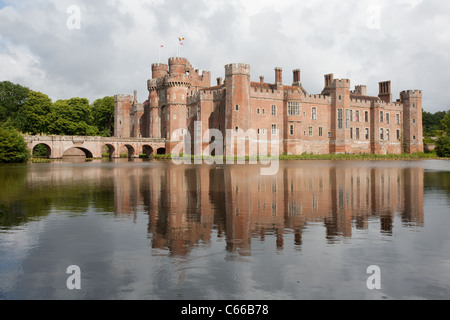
(443,146)
(72,117)
(432,122)
(445,123)
(12,98)
(33,116)
(103,113)
(13,148)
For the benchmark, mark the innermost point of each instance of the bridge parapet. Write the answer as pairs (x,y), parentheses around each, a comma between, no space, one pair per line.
(95,146)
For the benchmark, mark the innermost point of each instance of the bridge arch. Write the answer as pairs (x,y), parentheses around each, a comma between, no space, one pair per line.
(111,150)
(87,152)
(130,149)
(38,151)
(161,150)
(148,150)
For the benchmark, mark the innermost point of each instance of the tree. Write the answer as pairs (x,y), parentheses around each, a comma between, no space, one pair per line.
(432,122)
(445,123)
(13,148)
(33,116)
(72,117)
(103,113)
(12,98)
(443,146)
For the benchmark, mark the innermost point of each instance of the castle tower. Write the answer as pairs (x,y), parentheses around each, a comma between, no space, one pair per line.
(237,100)
(153,106)
(122,121)
(174,112)
(159,70)
(412,121)
(339,91)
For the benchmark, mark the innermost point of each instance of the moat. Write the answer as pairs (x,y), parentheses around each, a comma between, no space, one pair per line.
(149,229)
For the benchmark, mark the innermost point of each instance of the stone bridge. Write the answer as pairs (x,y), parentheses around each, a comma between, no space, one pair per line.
(94,147)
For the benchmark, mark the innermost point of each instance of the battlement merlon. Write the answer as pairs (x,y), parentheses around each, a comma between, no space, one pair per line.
(237,69)
(407,94)
(159,70)
(340,83)
(123,98)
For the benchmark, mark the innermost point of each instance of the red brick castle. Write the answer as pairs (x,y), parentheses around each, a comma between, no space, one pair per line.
(338,120)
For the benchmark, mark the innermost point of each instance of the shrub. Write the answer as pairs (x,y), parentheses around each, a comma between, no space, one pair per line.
(443,146)
(13,148)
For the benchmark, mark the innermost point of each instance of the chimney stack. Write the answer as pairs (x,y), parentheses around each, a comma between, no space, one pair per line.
(278,76)
(296,75)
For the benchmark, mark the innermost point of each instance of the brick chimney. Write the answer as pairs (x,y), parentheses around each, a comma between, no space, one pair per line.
(278,76)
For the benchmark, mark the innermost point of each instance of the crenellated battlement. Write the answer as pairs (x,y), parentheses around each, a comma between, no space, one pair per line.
(340,83)
(123,98)
(411,93)
(237,68)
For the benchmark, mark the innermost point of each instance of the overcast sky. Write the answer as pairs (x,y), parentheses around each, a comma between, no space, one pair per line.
(111,49)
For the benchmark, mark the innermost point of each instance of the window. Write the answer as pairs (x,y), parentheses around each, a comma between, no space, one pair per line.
(381,116)
(291,129)
(381,134)
(274,110)
(294,108)
(274,129)
(388,135)
(329,134)
(198,112)
(388,120)
(320,132)
(414,137)
(351,133)
(397,118)
(310,131)
(414,121)
(357,134)
(398,134)
(357,115)
(351,115)
(340,118)
(264,111)
(258,111)
(314,113)
(236,129)
(347,119)
(414,105)
(367,134)
(259,131)
(237,108)
(340,97)
(366,116)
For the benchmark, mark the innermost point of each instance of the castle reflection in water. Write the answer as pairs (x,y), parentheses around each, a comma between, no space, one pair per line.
(186,204)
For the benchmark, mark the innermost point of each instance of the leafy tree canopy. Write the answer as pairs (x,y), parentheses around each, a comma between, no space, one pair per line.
(103,114)
(12,98)
(13,148)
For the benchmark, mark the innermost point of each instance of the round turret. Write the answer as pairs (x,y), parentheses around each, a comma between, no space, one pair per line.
(159,70)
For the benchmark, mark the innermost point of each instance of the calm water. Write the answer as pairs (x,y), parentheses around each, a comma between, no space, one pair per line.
(153,230)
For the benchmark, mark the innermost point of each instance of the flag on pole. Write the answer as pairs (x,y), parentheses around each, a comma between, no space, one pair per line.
(161,46)
(180,39)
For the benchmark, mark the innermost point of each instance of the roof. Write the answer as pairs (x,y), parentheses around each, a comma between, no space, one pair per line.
(360,97)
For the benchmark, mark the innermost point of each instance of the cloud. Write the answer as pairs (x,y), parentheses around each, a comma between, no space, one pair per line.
(367,41)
